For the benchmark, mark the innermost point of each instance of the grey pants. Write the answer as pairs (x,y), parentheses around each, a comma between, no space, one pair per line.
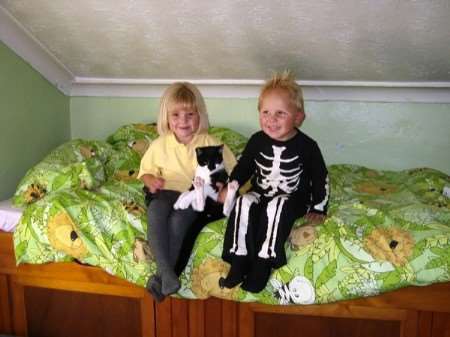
(166,230)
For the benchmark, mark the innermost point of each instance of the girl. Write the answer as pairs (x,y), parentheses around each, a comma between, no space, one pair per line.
(167,169)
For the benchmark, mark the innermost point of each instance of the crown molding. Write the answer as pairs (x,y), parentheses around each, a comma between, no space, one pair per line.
(24,44)
(419,92)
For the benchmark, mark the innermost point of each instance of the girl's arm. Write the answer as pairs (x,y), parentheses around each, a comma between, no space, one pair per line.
(149,172)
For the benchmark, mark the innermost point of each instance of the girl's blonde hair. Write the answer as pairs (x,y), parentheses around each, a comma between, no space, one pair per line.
(284,81)
(189,96)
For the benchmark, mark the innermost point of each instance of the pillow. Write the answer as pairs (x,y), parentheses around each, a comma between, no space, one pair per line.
(124,163)
(235,141)
(129,135)
(74,164)
(139,136)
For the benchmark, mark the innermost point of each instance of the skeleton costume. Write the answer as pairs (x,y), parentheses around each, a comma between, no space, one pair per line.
(289,179)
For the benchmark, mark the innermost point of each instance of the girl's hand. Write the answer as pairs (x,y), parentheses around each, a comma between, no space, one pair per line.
(313,218)
(154,184)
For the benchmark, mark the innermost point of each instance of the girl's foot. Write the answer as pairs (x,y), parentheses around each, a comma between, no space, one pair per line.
(154,287)
(170,285)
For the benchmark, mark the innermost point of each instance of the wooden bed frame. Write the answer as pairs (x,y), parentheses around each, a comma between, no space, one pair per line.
(408,312)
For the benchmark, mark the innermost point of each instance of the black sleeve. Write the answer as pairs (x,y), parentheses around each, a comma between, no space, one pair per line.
(245,166)
(320,187)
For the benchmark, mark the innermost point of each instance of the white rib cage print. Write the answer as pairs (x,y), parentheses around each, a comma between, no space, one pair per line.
(275,178)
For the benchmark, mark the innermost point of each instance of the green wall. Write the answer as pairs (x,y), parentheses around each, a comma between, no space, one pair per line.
(34,118)
(378,135)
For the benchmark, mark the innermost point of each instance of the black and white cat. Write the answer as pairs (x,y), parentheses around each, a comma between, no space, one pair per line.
(210,171)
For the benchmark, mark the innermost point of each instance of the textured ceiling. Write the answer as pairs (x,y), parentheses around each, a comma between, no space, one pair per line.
(347,40)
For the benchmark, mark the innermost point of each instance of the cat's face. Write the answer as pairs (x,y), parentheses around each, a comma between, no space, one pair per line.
(210,156)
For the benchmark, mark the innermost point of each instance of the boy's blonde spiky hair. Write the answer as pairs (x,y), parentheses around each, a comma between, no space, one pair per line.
(284,81)
(188,95)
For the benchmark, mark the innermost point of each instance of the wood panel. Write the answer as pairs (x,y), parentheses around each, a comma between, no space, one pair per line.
(230,319)
(441,325)
(393,313)
(273,325)
(180,317)
(53,313)
(7,259)
(5,310)
(398,322)
(147,315)
(213,317)
(27,307)
(17,297)
(197,317)
(164,318)
(424,324)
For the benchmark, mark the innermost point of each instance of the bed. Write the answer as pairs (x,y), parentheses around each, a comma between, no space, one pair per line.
(386,230)
(9,216)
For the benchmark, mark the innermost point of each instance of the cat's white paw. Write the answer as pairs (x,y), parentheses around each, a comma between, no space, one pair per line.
(233,186)
(198,183)
(230,199)
(198,203)
(184,200)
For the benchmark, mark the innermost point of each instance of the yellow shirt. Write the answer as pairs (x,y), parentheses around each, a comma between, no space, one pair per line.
(176,162)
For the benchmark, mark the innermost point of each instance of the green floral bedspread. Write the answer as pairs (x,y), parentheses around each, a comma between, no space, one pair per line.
(385,230)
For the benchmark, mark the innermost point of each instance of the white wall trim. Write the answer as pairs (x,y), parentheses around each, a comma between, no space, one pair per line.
(24,44)
(423,92)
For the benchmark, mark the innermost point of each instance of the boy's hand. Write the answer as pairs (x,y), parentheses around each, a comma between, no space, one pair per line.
(313,218)
(222,193)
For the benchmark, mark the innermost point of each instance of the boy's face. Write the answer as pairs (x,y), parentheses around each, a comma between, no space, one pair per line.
(183,122)
(279,117)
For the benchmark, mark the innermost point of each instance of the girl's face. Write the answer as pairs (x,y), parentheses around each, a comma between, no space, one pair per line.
(278,117)
(183,122)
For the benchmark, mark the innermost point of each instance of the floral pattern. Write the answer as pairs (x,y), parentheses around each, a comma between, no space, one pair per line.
(384,230)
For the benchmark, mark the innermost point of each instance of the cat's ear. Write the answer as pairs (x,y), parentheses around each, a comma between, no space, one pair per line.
(221,148)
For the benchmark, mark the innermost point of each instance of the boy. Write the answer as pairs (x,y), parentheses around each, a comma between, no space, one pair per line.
(289,180)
